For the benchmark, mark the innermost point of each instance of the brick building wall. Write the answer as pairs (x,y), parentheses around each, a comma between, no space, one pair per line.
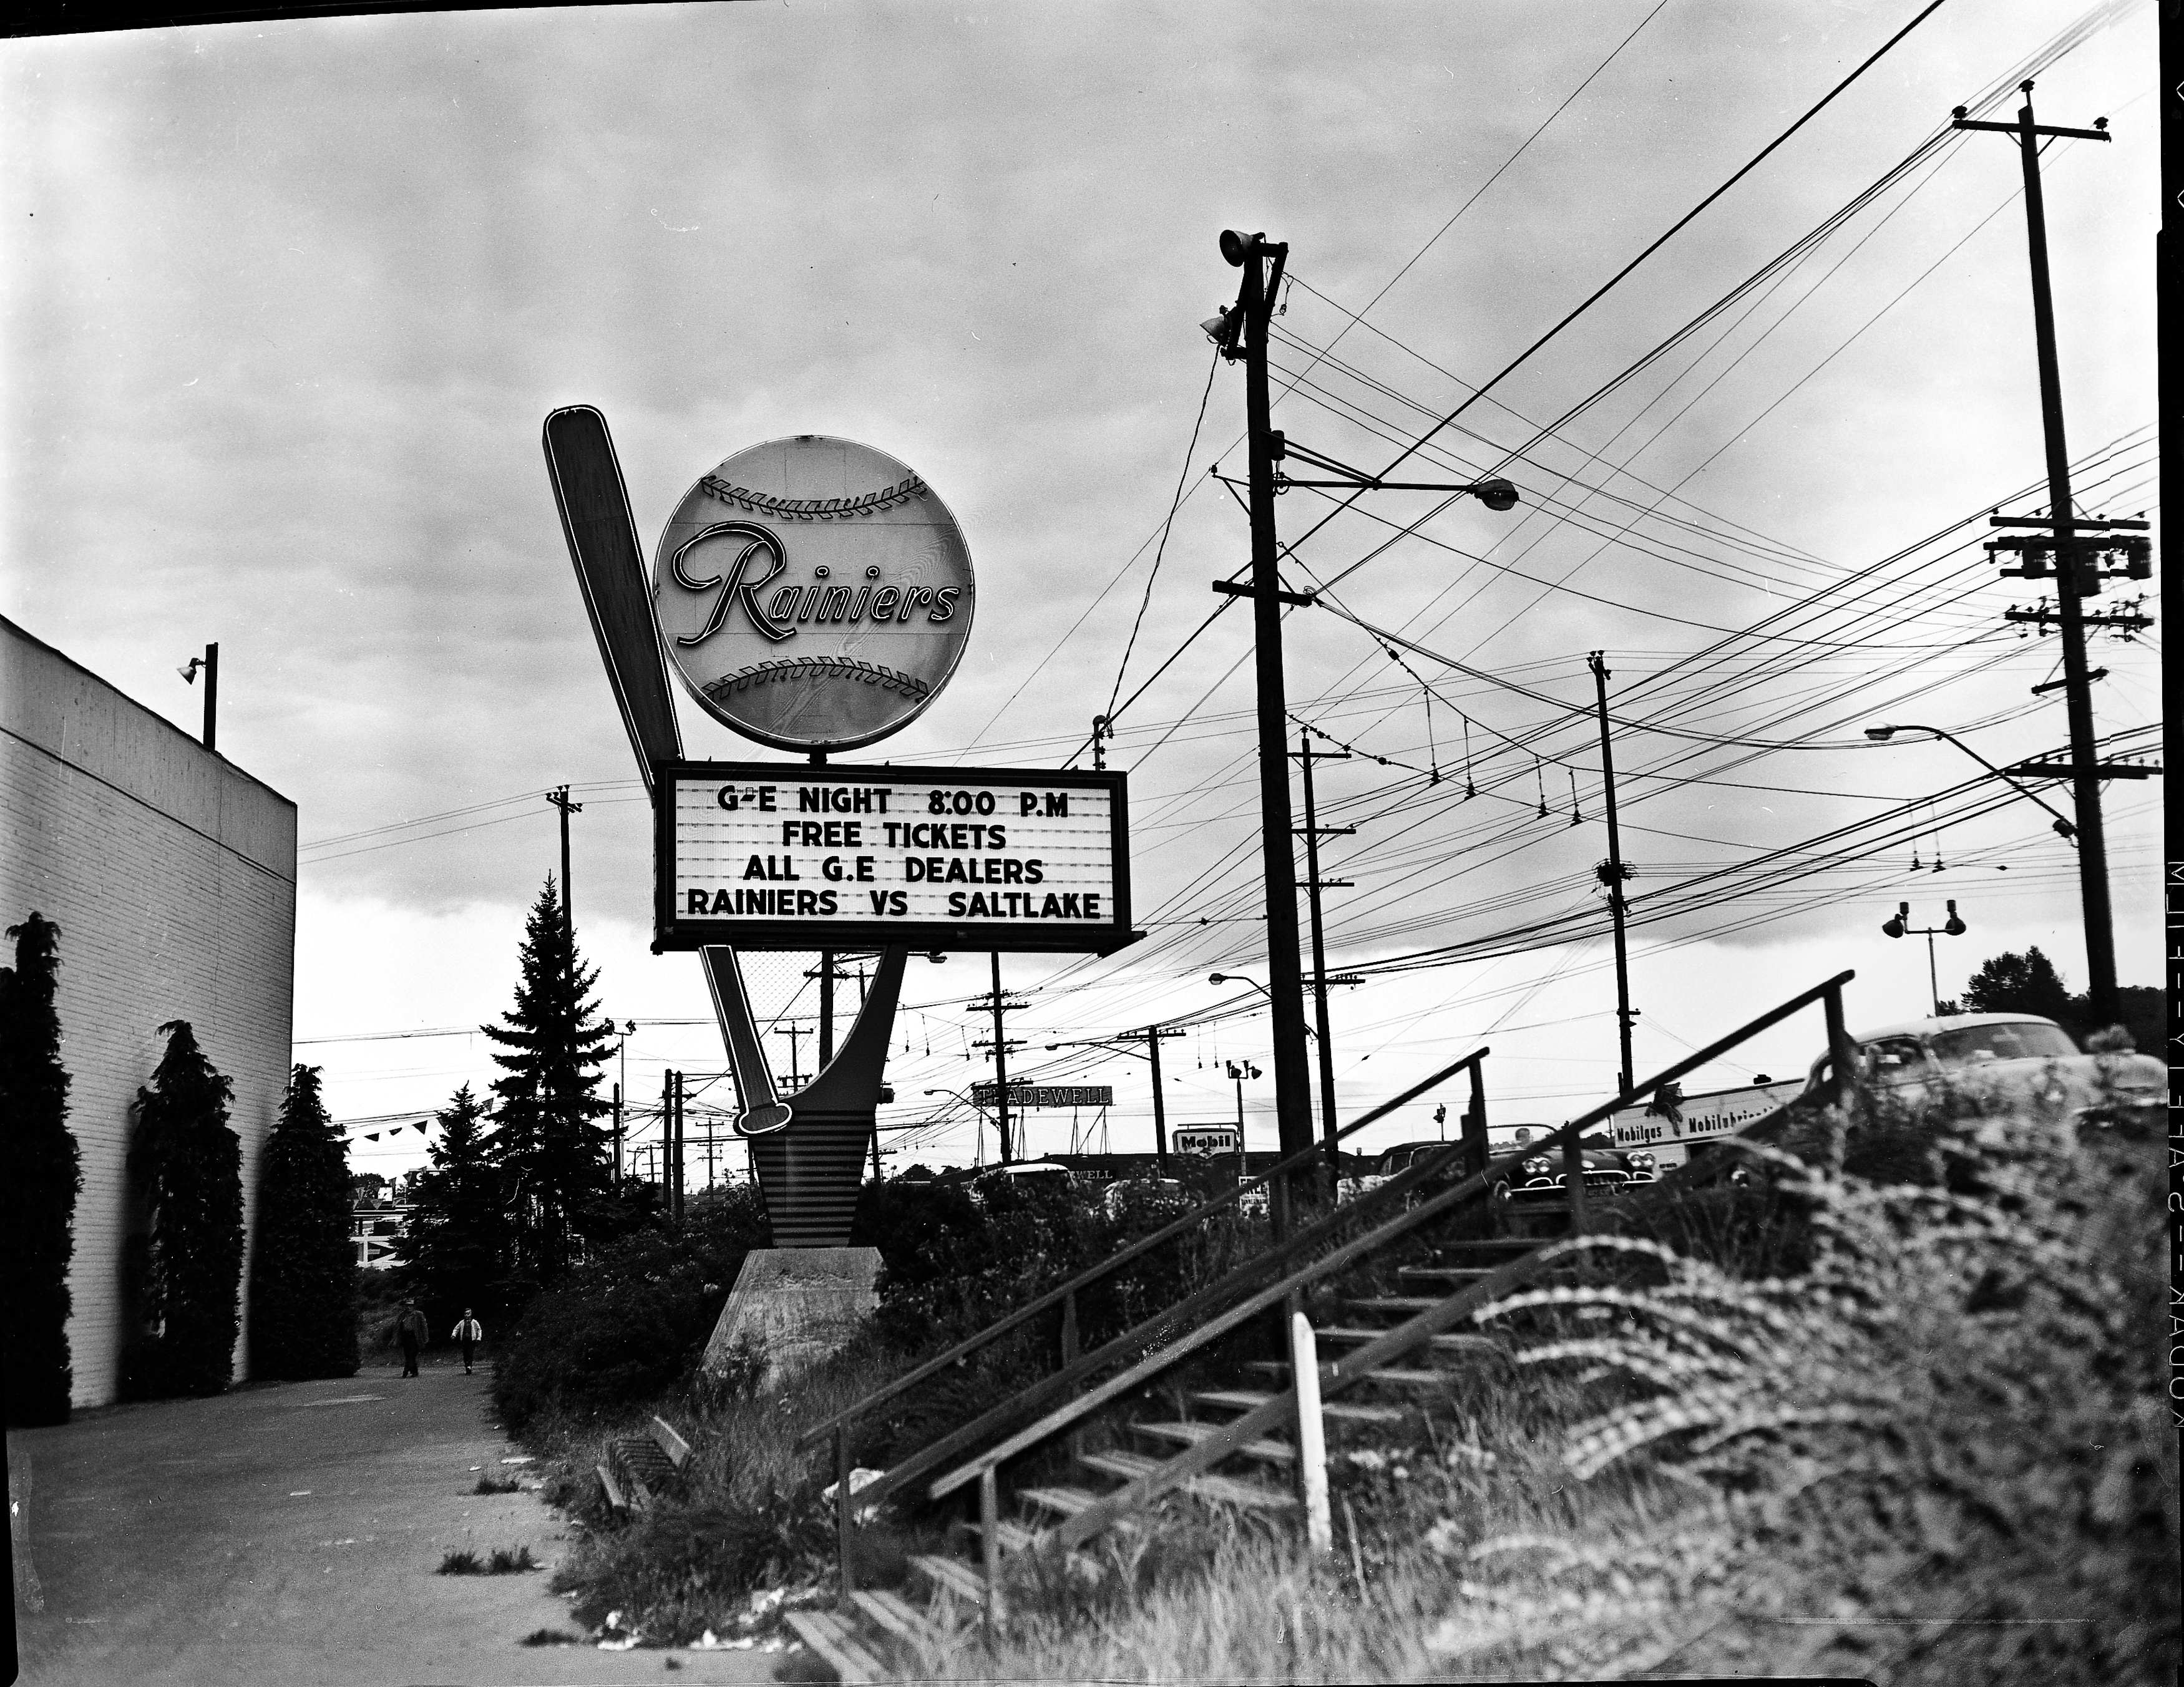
(171,874)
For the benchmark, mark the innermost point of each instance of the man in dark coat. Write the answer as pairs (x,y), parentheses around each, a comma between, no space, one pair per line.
(409,1329)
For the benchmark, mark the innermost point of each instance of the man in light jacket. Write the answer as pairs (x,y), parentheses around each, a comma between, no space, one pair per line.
(469,1332)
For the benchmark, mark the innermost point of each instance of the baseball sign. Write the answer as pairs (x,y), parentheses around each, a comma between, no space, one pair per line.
(813,593)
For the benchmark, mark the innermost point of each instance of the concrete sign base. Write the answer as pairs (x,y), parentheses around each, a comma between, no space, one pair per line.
(795,1307)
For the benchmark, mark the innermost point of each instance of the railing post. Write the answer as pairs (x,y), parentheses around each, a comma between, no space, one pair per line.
(989,1540)
(1311,1436)
(845,1512)
(1069,1358)
(1842,1055)
(1475,1125)
(1573,1179)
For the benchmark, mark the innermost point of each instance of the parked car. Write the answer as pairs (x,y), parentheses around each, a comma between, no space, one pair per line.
(1973,1063)
(1124,1193)
(1608,1171)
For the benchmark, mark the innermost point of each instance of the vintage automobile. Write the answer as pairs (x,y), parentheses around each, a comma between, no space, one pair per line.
(1540,1177)
(1976,1063)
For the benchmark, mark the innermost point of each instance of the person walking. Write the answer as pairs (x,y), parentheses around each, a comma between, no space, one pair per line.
(469,1332)
(412,1331)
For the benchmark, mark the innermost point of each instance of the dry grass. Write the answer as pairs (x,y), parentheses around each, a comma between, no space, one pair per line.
(1934,1455)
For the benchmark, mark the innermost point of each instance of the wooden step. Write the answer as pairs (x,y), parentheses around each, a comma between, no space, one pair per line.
(1448,1344)
(1190,1434)
(952,1574)
(830,1637)
(1014,1536)
(1241,1400)
(1404,1378)
(1067,1501)
(1456,1277)
(892,1613)
(1227,1490)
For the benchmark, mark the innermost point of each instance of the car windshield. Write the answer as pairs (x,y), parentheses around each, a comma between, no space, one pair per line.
(2026,1040)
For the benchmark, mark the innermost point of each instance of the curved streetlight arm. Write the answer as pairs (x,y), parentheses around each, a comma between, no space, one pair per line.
(1882,734)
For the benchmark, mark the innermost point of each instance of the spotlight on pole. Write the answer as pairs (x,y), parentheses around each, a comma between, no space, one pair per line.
(1954,926)
(1496,494)
(1239,249)
(1894,927)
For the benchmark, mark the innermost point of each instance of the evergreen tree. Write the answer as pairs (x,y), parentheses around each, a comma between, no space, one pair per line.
(302,1272)
(544,1141)
(2019,983)
(40,1174)
(188,1168)
(452,1254)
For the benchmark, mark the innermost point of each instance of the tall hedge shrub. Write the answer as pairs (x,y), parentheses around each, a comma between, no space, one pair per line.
(187,1165)
(39,1179)
(302,1273)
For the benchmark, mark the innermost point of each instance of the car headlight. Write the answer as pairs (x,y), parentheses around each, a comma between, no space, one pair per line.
(1538,1166)
(1641,1161)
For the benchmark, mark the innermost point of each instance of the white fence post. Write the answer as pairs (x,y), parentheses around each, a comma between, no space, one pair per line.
(1310,1435)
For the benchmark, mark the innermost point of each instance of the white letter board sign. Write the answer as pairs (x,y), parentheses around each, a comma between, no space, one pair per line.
(773,855)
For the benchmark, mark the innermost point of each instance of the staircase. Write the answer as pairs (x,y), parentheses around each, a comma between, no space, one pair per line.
(1381,1357)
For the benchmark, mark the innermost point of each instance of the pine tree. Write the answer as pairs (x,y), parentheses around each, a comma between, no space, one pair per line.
(544,1140)
(41,1175)
(452,1254)
(302,1272)
(188,1168)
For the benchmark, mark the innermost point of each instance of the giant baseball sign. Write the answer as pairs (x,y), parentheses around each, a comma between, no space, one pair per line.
(813,593)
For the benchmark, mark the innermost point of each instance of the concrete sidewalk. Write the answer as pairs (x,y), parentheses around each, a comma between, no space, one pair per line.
(290,1534)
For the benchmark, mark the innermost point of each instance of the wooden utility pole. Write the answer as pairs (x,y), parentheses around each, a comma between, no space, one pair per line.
(1312,832)
(2077,690)
(1262,261)
(1613,872)
(560,798)
(1001,1046)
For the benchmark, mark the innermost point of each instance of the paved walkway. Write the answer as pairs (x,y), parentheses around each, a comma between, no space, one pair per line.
(290,1534)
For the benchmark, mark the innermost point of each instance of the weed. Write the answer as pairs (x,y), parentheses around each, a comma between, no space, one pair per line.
(551,1637)
(502,1561)
(497,1485)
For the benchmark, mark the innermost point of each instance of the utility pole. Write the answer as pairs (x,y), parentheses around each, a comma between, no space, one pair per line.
(795,1034)
(1261,262)
(560,798)
(2077,692)
(1001,1046)
(1613,872)
(617,1138)
(1314,831)
(826,1009)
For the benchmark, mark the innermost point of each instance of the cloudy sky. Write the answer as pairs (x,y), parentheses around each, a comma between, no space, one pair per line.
(285,305)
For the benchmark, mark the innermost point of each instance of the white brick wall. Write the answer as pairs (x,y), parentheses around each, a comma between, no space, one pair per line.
(171,874)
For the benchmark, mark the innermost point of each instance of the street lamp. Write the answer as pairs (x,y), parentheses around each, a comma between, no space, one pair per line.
(1238,978)
(1900,926)
(1881,734)
(977,1112)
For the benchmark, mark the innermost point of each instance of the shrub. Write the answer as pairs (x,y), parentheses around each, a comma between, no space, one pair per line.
(188,1168)
(302,1271)
(631,1323)
(42,1178)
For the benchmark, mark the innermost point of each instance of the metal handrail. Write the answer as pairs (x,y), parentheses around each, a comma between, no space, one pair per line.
(1567,1136)
(1137,1249)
